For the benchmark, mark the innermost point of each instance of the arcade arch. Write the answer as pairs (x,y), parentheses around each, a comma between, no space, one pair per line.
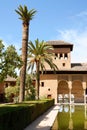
(77,91)
(63,91)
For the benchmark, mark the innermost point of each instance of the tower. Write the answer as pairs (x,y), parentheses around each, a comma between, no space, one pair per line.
(62,54)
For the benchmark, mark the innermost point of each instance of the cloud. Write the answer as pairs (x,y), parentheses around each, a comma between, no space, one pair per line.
(79,20)
(68,34)
(82,14)
(79,40)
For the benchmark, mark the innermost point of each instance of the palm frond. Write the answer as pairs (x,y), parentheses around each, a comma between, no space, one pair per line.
(31,45)
(42,67)
(25,14)
(41,52)
(30,66)
(31,13)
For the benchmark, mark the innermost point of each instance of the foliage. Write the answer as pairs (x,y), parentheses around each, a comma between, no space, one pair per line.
(39,54)
(18,81)
(25,113)
(30,88)
(1,51)
(9,61)
(30,93)
(11,93)
(25,14)
(1,59)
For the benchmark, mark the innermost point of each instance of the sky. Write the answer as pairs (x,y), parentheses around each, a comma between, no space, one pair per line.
(55,20)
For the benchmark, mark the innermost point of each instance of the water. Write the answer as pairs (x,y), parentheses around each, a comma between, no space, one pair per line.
(71,117)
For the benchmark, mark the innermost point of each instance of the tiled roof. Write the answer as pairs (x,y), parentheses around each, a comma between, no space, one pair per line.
(79,66)
(10,79)
(60,43)
(76,67)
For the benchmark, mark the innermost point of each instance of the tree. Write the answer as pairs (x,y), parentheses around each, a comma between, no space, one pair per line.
(30,87)
(9,61)
(39,54)
(26,16)
(1,60)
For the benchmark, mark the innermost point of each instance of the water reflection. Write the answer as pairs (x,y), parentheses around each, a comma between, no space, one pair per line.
(67,108)
(72,108)
(85,121)
(71,117)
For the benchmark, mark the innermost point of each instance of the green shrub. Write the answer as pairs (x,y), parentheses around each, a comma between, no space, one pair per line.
(11,93)
(18,116)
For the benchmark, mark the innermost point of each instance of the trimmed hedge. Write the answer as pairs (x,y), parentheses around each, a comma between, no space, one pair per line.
(18,116)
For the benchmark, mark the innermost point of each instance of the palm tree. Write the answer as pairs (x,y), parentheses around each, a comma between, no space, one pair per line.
(39,54)
(26,16)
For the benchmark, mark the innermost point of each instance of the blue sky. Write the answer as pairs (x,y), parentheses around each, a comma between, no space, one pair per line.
(55,20)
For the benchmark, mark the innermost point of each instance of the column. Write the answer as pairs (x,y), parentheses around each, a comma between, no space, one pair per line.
(70,96)
(84,97)
(84,88)
(70,87)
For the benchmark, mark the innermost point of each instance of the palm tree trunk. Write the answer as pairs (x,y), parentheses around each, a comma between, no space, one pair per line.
(37,79)
(24,59)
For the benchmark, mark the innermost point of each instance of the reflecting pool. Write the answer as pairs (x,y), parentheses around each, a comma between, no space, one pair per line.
(71,117)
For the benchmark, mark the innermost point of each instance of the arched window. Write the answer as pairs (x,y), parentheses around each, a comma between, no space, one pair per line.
(56,55)
(65,56)
(60,56)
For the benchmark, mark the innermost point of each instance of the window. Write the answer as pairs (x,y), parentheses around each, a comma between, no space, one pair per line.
(42,84)
(65,56)
(48,89)
(60,56)
(55,58)
(56,55)
(6,85)
(49,96)
(63,64)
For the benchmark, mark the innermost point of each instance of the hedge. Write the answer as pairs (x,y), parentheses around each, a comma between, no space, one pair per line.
(18,116)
